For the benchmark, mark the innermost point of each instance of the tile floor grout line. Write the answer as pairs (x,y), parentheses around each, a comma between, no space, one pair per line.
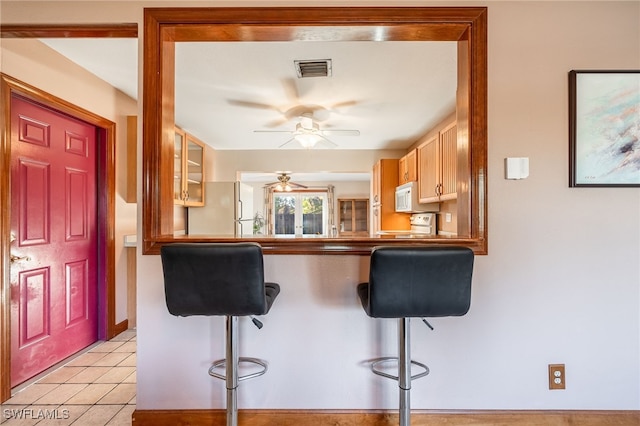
(46,399)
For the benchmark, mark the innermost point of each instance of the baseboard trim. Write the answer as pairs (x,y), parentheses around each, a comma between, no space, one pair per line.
(387,418)
(119,328)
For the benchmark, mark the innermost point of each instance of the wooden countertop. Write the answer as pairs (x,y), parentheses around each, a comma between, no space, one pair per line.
(324,245)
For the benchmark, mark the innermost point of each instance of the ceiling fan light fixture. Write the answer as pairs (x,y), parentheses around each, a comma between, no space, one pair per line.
(283,183)
(281,188)
(307,140)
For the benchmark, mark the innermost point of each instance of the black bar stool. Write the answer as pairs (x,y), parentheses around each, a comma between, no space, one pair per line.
(220,279)
(421,282)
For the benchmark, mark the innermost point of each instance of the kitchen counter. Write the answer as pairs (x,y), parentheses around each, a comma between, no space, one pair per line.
(324,245)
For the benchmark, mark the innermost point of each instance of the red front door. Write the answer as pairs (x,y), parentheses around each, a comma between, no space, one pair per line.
(54,223)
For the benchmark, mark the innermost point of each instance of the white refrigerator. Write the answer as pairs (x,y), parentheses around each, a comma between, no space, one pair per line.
(227,210)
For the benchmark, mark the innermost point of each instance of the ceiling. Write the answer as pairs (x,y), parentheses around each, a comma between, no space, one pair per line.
(392,92)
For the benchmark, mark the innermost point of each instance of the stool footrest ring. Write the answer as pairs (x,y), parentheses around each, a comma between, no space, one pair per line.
(378,361)
(222,364)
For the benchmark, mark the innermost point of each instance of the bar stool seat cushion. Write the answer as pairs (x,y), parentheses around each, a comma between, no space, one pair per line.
(216,279)
(418,282)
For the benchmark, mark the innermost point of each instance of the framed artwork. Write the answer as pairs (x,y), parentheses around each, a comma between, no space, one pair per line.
(604,128)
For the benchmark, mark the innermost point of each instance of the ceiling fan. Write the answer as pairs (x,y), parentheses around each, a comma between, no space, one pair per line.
(308,134)
(296,105)
(284,183)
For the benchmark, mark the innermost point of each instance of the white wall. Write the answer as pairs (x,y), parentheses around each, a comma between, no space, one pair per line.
(560,283)
(36,64)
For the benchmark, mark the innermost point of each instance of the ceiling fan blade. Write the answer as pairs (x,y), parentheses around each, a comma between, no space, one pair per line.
(343,104)
(298,185)
(276,123)
(249,104)
(287,143)
(273,131)
(337,132)
(326,143)
(290,87)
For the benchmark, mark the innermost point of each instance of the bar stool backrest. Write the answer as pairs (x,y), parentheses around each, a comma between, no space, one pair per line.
(214,279)
(419,281)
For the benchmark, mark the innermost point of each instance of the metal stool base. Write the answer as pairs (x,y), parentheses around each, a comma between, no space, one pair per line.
(404,376)
(378,361)
(222,363)
(231,364)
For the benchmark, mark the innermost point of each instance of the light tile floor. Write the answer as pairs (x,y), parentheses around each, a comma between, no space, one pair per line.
(97,388)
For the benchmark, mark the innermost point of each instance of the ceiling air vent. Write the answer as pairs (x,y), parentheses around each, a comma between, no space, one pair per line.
(313,68)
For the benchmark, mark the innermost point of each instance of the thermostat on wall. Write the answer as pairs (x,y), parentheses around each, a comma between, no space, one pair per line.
(516,168)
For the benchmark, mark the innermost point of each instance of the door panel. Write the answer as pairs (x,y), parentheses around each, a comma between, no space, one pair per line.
(76,206)
(77,289)
(54,217)
(34,306)
(34,202)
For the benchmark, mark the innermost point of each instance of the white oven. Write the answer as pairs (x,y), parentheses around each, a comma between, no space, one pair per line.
(423,224)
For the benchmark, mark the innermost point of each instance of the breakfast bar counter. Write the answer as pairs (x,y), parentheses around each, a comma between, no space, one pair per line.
(325,245)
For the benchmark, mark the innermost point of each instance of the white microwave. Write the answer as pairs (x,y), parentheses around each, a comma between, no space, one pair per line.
(407,200)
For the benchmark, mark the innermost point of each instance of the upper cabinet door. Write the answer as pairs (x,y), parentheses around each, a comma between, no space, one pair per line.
(375,184)
(188,170)
(178,160)
(437,159)
(428,171)
(407,167)
(194,168)
(448,161)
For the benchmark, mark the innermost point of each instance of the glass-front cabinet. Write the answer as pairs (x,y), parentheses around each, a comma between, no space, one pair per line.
(178,191)
(353,217)
(188,170)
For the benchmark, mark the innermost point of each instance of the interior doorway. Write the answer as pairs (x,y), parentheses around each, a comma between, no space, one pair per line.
(54,244)
(105,213)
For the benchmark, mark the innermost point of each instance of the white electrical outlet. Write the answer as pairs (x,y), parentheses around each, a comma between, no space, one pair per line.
(557,378)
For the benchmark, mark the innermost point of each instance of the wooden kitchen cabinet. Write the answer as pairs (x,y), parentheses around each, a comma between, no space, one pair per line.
(437,159)
(188,170)
(385,181)
(408,167)
(353,217)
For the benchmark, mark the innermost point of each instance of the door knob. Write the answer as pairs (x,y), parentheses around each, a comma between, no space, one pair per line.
(14,258)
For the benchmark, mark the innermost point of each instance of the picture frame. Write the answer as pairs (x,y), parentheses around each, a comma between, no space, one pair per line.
(604,128)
